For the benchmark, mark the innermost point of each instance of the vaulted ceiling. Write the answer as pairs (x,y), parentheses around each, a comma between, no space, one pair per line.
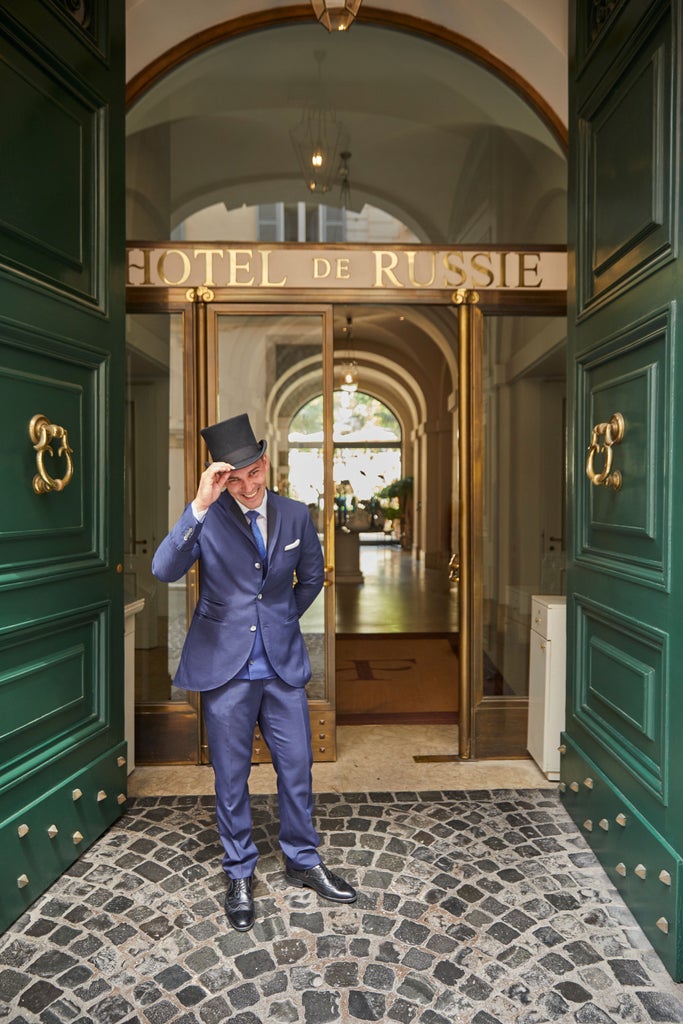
(436,139)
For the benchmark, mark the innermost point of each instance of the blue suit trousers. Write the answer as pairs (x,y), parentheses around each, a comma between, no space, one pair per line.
(231,713)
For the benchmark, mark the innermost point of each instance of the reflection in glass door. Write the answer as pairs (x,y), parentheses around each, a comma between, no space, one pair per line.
(270,362)
(523,548)
(166,718)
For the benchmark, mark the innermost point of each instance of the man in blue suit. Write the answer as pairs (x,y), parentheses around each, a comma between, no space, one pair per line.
(261,566)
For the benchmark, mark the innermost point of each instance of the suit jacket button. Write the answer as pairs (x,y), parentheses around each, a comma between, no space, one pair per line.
(252,629)
(259,597)
(257,565)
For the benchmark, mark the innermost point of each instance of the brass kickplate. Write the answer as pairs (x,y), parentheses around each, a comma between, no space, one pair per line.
(421,758)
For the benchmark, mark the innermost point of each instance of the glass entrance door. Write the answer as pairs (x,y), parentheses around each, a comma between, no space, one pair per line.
(160,373)
(191,365)
(512,382)
(271,362)
(523,527)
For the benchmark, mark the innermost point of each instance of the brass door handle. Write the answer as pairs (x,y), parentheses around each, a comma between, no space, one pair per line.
(42,432)
(612,433)
(329,576)
(454,569)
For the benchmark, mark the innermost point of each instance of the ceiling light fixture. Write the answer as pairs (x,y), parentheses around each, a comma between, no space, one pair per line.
(316,140)
(335,15)
(349,377)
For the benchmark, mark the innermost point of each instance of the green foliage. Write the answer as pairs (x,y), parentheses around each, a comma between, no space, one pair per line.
(401,489)
(352,413)
(391,513)
(309,419)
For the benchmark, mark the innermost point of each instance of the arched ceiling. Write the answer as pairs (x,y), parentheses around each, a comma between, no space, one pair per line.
(437,139)
(530,37)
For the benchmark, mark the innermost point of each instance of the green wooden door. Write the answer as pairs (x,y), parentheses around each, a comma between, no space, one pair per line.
(621,769)
(62,755)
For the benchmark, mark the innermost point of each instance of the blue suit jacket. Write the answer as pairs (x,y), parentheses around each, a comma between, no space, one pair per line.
(234,596)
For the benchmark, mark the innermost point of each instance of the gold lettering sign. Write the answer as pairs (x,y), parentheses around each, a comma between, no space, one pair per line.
(363,267)
(184,261)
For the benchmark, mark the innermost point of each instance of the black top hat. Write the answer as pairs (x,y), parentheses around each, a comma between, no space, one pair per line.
(233,441)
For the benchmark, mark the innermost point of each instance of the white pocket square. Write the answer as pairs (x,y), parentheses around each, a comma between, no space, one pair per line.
(294,544)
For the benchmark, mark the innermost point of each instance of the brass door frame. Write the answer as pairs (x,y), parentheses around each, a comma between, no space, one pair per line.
(488,726)
(471,501)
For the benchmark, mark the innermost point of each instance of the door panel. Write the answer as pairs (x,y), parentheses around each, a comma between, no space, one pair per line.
(271,361)
(53,209)
(45,374)
(48,673)
(620,691)
(626,156)
(62,755)
(626,533)
(625,709)
(623,840)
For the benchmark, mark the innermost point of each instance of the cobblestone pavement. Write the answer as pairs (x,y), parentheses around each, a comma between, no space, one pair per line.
(480,907)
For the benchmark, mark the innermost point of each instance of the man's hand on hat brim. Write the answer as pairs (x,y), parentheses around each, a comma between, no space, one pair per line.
(211,484)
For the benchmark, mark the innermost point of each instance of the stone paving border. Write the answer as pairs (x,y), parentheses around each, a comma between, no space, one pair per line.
(480,907)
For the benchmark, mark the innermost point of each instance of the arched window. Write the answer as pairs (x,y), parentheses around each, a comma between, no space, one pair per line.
(367,446)
(293,222)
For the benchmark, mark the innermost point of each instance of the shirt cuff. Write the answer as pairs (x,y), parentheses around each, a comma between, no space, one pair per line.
(199,516)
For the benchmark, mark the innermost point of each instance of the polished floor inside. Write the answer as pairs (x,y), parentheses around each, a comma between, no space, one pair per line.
(398,595)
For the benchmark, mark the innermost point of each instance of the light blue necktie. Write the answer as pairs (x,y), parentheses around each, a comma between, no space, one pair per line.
(252,515)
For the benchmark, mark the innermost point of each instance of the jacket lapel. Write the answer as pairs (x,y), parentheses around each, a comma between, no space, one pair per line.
(274,523)
(234,513)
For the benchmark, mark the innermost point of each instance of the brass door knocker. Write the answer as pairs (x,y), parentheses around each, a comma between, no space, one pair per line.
(612,432)
(42,432)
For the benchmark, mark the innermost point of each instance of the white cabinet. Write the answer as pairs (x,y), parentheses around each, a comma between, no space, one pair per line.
(547,657)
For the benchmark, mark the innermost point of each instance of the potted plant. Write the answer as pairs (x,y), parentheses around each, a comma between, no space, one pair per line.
(400,491)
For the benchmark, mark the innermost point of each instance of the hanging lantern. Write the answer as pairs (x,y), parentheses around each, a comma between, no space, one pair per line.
(349,377)
(336,15)
(317,139)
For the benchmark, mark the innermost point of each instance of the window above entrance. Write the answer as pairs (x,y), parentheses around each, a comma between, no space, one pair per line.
(294,222)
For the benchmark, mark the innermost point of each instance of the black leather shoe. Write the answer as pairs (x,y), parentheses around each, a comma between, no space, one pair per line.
(239,904)
(324,881)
